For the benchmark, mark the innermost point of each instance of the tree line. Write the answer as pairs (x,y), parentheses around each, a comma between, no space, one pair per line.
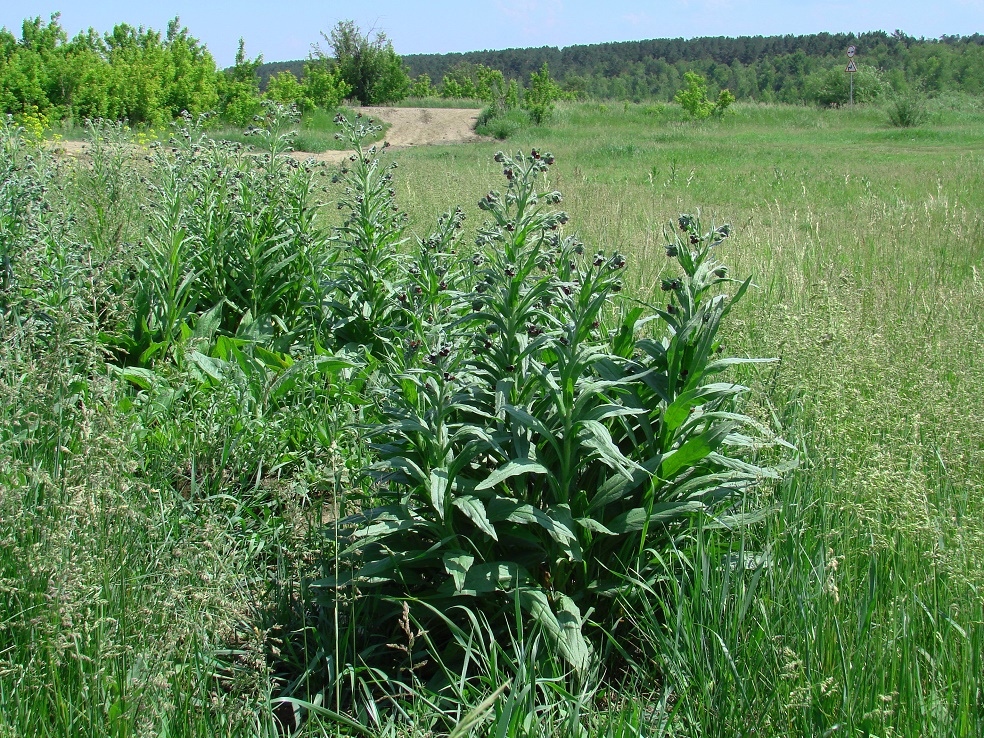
(147,77)
(776,68)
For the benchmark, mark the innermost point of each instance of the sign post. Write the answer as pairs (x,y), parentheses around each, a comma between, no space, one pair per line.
(851,69)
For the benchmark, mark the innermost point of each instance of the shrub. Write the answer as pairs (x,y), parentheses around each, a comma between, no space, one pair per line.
(499,124)
(323,86)
(693,98)
(833,86)
(536,444)
(422,87)
(369,66)
(906,111)
(540,96)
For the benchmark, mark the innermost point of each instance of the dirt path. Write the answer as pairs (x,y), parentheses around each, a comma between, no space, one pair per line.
(418,127)
(408,127)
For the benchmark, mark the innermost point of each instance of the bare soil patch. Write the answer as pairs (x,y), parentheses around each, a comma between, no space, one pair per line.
(418,127)
(408,127)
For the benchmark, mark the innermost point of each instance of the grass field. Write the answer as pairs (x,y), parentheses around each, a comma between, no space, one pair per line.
(135,603)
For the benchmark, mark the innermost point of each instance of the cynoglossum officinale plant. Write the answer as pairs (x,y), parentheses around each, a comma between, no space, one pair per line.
(546,435)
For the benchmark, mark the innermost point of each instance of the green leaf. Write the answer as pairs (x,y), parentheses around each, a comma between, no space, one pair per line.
(383,527)
(693,450)
(512,469)
(514,511)
(209,322)
(638,518)
(679,410)
(457,566)
(618,487)
(275,359)
(494,575)
(594,526)
(410,391)
(739,520)
(624,343)
(719,365)
(438,488)
(214,368)
(143,378)
(474,508)
(611,410)
(595,436)
(562,628)
(529,421)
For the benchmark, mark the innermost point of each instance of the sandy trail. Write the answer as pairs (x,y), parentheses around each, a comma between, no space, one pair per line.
(417,127)
(408,127)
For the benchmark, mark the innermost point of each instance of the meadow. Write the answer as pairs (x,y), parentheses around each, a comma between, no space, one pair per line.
(163,521)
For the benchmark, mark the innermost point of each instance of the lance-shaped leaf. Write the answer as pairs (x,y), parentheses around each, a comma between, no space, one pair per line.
(438,490)
(561,627)
(512,469)
(519,512)
(694,449)
(457,566)
(504,575)
(679,410)
(638,518)
(595,435)
(474,508)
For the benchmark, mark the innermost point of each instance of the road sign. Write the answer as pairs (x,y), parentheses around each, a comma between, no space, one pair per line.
(851,51)
(852,67)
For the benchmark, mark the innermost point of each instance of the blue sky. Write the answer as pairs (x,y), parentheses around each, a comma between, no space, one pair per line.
(286,30)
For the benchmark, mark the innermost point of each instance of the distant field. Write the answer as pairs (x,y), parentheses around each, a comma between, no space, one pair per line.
(137,604)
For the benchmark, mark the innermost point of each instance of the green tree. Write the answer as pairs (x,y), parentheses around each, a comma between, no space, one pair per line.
(540,96)
(369,65)
(451,87)
(191,75)
(323,84)
(693,98)
(284,88)
(240,90)
(422,87)
(491,84)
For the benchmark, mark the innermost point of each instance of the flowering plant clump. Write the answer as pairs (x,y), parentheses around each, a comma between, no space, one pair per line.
(538,437)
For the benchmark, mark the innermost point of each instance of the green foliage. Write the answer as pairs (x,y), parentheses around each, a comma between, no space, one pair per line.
(693,98)
(764,69)
(323,85)
(285,89)
(452,88)
(24,178)
(369,66)
(852,606)
(359,305)
(833,86)
(239,90)
(906,111)
(479,82)
(501,124)
(540,96)
(422,87)
(230,235)
(131,74)
(534,444)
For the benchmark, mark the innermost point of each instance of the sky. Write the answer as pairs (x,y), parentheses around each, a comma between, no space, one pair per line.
(285,30)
